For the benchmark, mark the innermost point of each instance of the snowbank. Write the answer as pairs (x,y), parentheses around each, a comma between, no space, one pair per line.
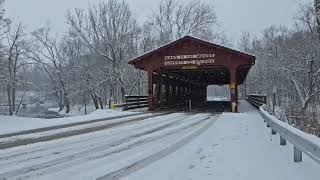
(11,124)
(75,110)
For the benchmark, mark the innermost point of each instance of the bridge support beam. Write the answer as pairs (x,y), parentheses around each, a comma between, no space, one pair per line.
(234,89)
(150,89)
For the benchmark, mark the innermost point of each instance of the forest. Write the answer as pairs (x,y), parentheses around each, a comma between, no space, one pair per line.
(288,68)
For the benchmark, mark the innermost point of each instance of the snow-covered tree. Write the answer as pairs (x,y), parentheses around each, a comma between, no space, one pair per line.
(108,29)
(48,54)
(290,60)
(12,63)
(173,20)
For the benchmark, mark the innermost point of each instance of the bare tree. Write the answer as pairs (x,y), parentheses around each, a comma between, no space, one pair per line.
(173,20)
(46,51)
(108,29)
(12,63)
(290,60)
(163,22)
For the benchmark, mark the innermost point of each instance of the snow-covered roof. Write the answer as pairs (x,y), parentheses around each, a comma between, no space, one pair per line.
(220,47)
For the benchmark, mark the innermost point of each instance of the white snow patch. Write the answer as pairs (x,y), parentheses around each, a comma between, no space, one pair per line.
(11,124)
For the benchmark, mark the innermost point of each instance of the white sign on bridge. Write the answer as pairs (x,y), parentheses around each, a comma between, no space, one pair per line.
(193,59)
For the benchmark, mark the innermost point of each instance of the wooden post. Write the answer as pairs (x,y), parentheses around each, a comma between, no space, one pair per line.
(157,90)
(167,95)
(161,91)
(234,90)
(150,89)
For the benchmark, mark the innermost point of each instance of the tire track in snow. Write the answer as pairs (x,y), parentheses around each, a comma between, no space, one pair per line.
(9,154)
(9,143)
(115,175)
(82,156)
(83,145)
(65,125)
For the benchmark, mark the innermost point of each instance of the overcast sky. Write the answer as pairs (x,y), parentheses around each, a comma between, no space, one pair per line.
(234,16)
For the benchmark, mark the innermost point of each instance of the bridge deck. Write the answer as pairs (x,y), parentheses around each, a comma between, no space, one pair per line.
(237,146)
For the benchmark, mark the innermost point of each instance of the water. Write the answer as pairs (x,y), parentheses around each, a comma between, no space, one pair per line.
(37,111)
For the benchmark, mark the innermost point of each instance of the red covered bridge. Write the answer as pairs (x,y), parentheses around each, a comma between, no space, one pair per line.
(183,69)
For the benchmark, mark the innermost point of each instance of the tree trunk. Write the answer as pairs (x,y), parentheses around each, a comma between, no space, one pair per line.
(139,87)
(111,100)
(67,103)
(13,101)
(59,94)
(60,106)
(9,100)
(100,101)
(85,102)
(317,8)
(19,105)
(94,99)
(123,94)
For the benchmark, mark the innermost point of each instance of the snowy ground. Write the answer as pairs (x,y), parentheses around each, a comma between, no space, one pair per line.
(12,124)
(75,110)
(173,146)
(237,146)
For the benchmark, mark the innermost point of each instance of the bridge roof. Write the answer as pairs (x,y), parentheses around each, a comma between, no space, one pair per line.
(189,56)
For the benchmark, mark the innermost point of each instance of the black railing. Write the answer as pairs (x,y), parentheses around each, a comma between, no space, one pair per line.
(257,99)
(134,102)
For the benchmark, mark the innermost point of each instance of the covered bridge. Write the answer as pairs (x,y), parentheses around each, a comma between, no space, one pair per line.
(183,69)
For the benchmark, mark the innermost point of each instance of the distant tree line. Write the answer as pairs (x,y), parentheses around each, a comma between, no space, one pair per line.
(288,64)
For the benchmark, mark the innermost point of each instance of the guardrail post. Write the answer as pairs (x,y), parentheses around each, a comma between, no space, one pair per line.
(297,155)
(300,143)
(273,132)
(282,141)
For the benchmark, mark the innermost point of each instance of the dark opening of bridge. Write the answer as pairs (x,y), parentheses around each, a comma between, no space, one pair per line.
(181,71)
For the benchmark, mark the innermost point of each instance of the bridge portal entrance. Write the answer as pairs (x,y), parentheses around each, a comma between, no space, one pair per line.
(181,71)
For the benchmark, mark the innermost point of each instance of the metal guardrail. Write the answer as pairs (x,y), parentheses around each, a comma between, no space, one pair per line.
(134,102)
(257,100)
(296,137)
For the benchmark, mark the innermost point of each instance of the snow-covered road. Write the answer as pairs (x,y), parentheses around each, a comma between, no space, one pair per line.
(174,146)
(67,130)
(237,146)
(105,153)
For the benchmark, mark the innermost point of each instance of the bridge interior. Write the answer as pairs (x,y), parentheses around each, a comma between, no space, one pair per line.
(180,72)
(173,88)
